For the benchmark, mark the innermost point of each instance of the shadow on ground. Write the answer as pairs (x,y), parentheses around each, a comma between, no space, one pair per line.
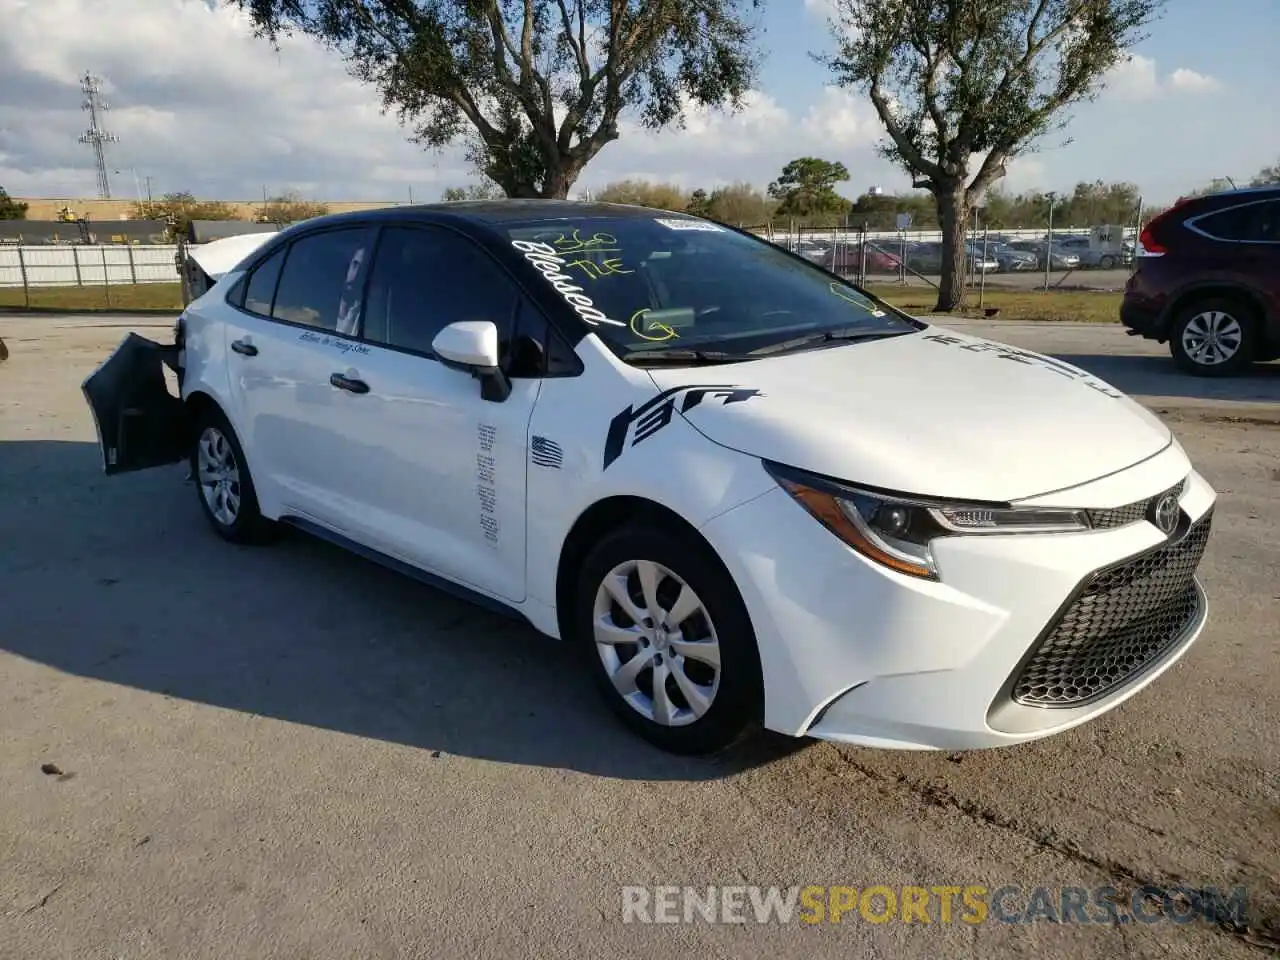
(120,580)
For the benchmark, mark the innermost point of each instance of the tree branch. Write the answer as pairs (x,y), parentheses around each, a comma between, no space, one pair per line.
(910,152)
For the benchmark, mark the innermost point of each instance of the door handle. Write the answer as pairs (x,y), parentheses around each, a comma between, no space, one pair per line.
(350,384)
(244,348)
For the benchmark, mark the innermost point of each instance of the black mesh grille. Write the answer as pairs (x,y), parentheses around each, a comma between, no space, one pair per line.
(1124,618)
(1130,512)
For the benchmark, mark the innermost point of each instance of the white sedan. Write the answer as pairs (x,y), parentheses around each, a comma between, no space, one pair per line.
(748,493)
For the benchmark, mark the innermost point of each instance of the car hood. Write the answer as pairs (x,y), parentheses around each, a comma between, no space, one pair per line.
(935,413)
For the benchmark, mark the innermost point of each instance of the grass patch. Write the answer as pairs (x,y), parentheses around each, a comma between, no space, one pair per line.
(140,297)
(1077,306)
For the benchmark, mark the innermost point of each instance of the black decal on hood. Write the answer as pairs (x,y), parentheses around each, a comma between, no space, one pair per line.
(1005,352)
(656,413)
(546,453)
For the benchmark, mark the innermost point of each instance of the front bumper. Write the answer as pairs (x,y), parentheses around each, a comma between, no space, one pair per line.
(856,653)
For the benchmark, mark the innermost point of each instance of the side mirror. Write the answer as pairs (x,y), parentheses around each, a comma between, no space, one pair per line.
(472,346)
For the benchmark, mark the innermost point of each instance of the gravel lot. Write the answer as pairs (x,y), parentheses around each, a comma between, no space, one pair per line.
(289,752)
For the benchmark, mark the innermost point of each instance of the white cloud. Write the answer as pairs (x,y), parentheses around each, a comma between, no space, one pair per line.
(1137,79)
(841,119)
(1192,82)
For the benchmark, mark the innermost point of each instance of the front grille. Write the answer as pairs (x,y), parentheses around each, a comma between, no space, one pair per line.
(1109,518)
(1124,618)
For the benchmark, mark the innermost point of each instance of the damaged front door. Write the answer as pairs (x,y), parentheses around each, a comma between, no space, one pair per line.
(140,423)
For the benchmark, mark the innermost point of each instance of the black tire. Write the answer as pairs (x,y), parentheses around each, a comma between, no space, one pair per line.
(1247,342)
(1107,262)
(249,525)
(736,710)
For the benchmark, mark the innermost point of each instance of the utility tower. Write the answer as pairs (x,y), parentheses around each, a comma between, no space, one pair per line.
(96,136)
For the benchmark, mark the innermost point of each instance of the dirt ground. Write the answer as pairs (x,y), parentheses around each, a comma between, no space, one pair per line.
(211,752)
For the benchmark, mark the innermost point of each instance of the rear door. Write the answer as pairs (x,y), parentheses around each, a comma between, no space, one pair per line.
(140,423)
(283,344)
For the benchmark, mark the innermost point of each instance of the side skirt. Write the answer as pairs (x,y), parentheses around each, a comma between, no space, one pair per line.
(408,570)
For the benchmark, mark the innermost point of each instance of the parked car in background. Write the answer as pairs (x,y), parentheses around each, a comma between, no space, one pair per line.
(846,259)
(1059,259)
(1090,257)
(926,258)
(1206,281)
(980,260)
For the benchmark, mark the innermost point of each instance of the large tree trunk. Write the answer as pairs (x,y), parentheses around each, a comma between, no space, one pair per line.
(952,217)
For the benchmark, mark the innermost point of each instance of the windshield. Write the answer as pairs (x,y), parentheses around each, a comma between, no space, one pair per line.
(646,284)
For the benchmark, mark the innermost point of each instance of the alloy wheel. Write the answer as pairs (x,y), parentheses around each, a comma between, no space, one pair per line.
(657,642)
(218,476)
(1212,337)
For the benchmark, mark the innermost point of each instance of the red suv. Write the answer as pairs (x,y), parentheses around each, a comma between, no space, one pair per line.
(1206,281)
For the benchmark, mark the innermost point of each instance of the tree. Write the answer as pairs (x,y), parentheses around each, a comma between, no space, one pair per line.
(699,203)
(952,79)
(289,207)
(179,209)
(662,196)
(486,190)
(1267,176)
(807,187)
(11,209)
(540,84)
(739,205)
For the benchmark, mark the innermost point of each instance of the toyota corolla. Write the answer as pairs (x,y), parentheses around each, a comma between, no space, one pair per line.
(747,492)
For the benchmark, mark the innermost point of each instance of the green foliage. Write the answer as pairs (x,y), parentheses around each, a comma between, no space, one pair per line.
(11,209)
(1267,176)
(486,190)
(661,196)
(699,203)
(179,209)
(289,207)
(951,79)
(740,205)
(535,87)
(807,188)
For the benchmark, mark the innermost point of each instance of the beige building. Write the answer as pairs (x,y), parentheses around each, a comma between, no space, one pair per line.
(49,208)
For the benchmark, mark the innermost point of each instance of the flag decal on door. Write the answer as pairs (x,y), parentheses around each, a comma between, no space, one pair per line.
(546,453)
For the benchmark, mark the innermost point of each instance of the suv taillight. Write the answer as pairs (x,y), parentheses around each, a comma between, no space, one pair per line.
(1148,245)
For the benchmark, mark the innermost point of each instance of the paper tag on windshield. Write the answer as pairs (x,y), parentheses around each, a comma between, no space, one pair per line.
(673,224)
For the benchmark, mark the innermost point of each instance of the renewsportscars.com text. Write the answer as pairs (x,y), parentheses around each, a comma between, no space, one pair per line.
(970,904)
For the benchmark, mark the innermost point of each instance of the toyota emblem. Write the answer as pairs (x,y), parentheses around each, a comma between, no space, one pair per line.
(1165,513)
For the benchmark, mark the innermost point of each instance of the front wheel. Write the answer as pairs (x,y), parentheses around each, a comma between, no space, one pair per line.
(1213,337)
(668,640)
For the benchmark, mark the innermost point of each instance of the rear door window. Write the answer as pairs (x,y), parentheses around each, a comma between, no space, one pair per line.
(262,285)
(322,282)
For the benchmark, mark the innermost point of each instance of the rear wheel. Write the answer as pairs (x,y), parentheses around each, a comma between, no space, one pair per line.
(1214,337)
(225,488)
(668,641)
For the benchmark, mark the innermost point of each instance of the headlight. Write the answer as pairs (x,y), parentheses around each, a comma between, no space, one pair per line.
(898,531)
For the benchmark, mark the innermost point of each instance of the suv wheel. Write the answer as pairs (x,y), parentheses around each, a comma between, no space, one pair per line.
(1213,337)
(222,480)
(668,640)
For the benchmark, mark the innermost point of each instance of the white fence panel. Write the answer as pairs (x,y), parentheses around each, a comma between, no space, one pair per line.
(87,266)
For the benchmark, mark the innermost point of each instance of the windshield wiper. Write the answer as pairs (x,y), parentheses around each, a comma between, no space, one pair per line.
(829,336)
(685,358)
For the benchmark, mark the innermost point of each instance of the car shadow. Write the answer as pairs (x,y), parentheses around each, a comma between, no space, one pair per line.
(1157,377)
(119,579)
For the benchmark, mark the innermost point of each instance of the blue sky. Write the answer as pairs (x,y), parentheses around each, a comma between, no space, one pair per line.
(199,104)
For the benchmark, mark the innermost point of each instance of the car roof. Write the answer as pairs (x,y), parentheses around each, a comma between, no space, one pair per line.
(492,212)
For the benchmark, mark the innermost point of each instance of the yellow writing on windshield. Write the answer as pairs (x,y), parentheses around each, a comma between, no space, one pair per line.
(852,296)
(597,243)
(595,269)
(654,330)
